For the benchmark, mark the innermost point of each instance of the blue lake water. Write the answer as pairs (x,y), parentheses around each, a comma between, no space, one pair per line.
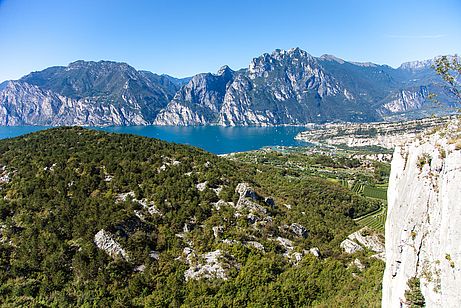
(215,139)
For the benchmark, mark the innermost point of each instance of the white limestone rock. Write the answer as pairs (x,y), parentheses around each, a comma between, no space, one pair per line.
(105,241)
(201,186)
(315,252)
(221,203)
(245,191)
(211,265)
(380,256)
(423,237)
(154,255)
(350,246)
(217,231)
(299,230)
(358,264)
(147,205)
(369,239)
(140,268)
(255,244)
(247,198)
(296,256)
(363,238)
(285,243)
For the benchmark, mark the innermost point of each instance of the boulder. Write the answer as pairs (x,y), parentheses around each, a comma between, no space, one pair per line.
(350,246)
(299,230)
(105,241)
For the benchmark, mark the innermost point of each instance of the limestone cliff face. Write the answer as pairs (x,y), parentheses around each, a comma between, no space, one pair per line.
(407,100)
(423,227)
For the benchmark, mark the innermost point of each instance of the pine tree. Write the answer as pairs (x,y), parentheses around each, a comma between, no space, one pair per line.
(413,295)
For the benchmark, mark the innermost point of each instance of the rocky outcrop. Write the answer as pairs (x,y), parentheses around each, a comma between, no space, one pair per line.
(210,265)
(369,239)
(407,100)
(106,242)
(247,199)
(147,206)
(255,244)
(299,230)
(363,238)
(423,238)
(350,246)
(315,252)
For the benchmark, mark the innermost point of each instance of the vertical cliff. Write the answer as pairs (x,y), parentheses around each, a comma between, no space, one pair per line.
(423,227)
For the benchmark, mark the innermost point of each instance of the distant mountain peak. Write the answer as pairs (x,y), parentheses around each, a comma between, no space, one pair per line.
(224,70)
(422,64)
(416,65)
(98,65)
(292,52)
(279,57)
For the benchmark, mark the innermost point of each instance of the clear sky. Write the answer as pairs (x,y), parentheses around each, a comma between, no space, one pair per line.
(182,38)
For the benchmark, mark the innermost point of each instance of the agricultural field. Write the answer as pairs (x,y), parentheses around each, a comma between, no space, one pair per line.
(375,220)
(355,170)
(375,192)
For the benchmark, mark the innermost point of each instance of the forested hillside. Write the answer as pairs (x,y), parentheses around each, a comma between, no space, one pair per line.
(97,219)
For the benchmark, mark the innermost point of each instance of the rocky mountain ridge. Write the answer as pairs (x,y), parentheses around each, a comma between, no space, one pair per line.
(86,93)
(285,87)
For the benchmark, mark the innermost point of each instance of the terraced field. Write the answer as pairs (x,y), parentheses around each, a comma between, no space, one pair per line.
(375,220)
(375,192)
(358,188)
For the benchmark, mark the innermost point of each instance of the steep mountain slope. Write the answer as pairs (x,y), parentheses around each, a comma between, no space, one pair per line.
(199,101)
(293,87)
(86,93)
(98,219)
(177,81)
(284,87)
(423,237)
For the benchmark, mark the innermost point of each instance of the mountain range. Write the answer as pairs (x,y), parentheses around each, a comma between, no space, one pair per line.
(286,87)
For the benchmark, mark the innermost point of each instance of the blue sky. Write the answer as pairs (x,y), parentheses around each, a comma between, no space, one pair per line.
(182,38)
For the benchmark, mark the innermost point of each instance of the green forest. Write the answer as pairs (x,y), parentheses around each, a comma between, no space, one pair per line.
(168,206)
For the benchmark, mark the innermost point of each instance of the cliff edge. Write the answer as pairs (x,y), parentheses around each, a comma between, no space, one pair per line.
(423,226)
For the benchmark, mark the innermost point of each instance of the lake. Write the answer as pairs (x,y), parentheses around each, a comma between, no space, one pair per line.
(215,139)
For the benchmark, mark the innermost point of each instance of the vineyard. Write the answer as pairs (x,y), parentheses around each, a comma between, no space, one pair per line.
(375,220)
(367,191)
(374,192)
